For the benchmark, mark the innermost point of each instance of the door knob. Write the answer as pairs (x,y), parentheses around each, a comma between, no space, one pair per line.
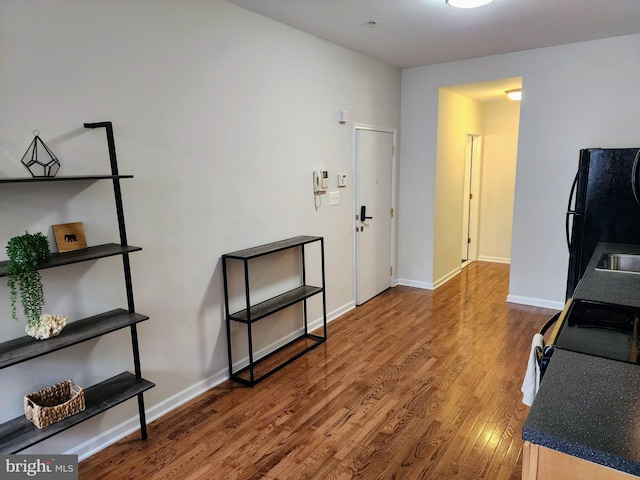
(363,214)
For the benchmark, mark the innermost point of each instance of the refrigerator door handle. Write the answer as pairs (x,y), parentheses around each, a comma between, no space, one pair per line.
(634,178)
(571,211)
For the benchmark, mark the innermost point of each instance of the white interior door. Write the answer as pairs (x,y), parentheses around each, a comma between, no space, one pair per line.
(375,154)
(471,199)
(466,199)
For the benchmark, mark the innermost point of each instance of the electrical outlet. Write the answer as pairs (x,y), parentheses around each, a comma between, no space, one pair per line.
(334,198)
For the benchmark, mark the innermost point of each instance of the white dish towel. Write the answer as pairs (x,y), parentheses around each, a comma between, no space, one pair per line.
(531,382)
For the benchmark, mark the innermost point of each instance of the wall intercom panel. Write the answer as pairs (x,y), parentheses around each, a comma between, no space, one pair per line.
(320,181)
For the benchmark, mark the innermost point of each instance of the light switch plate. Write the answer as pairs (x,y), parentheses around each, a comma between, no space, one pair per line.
(334,198)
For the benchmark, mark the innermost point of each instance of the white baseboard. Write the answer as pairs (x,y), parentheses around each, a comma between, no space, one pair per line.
(427,285)
(335,313)
(414,283)
(104,439)
(444,279)
(484,258)
(535,302)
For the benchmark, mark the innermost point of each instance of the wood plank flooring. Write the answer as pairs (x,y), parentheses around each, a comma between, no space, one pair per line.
(414,384)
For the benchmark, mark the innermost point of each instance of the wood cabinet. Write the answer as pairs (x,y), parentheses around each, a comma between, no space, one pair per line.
(19,433)
(252,313)
(542,463)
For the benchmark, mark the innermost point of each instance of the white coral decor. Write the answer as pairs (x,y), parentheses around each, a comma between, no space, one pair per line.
(49,326)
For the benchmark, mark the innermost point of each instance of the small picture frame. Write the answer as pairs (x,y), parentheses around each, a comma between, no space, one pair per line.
(69,236)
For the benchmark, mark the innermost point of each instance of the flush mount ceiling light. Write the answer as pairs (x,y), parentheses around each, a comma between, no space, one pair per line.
(467,3)
(515,94)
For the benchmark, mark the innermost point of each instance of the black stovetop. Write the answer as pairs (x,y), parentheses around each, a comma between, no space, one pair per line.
(601,329)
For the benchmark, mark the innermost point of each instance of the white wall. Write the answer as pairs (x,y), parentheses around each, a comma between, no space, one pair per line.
(221,115)
(500,123)
(575,96)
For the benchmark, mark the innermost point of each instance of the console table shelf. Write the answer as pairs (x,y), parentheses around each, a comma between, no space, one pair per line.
(302,343)
(275,304)
(279,358)
(274,247)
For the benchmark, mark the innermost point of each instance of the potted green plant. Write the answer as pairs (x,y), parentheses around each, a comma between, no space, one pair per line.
(26,252)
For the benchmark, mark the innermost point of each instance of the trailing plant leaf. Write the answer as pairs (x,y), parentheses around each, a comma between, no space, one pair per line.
(26,253)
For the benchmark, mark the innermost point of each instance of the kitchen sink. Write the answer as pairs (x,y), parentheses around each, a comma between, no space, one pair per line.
(619,262)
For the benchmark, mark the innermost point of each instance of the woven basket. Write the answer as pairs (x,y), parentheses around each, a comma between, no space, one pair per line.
(55,403)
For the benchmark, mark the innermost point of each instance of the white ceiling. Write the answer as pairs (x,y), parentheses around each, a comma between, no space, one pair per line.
(411,33)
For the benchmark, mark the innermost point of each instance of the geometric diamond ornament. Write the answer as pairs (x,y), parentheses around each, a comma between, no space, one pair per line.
(40,167)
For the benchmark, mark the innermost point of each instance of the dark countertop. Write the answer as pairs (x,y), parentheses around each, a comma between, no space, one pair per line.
(588,407)
(610,287)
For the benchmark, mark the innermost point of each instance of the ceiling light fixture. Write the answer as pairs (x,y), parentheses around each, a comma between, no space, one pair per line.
(467,3)
(514,94)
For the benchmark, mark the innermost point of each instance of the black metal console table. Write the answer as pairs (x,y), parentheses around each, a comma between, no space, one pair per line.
(297,347)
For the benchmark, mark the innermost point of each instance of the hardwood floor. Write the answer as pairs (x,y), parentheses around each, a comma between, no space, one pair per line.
(414,384)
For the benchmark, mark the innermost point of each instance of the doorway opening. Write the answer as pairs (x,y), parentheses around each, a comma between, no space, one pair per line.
(476,155)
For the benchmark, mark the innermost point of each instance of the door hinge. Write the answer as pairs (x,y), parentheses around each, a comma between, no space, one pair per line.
(392,213)
(470,196)
(468,239)
(391,271)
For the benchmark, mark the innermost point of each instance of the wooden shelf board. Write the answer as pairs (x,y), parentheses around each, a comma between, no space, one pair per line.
(275,304)
(20,433)
(278,359)
(26,347)
(271,247)
(70,178)
(84,255)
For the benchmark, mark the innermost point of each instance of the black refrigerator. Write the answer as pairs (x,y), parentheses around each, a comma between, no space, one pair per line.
(604,205)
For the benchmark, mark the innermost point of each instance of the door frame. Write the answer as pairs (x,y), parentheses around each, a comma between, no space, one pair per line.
(472,185)
(356,213)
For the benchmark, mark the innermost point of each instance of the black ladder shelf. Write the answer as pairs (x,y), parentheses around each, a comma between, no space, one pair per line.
(19,433)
